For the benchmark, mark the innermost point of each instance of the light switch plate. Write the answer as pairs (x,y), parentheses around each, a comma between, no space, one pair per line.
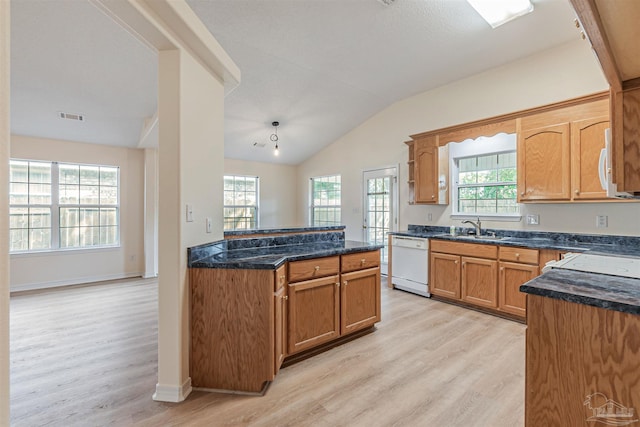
(208,221)
(189,213)
(533,219)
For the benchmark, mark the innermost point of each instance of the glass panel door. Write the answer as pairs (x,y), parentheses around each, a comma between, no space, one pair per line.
(380,209)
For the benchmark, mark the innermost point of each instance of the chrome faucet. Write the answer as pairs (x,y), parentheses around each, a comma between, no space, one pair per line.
(477,225)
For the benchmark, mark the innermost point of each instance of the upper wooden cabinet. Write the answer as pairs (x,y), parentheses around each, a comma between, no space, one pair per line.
(612,29)
(558,153)
(544,163)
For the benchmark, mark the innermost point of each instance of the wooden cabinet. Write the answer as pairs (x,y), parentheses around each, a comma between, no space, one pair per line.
(479,281)
(280,318)
(460,271)
(587,141)
(544,163)
(428,169)
(359,300)
(445,275)
(314,312)
(581,361)
(558,153)
(486,276)
(346,300)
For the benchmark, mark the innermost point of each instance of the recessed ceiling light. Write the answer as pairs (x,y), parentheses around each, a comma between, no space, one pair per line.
(498,12)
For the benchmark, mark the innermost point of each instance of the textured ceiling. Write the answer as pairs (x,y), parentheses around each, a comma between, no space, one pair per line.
(320,67)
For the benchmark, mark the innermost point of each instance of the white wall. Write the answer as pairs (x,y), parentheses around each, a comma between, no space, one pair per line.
(43,269)
(278,190)
(4,209)
(562,73)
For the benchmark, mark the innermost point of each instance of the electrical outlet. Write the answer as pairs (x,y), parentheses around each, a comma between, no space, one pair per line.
(189,213)
(208,221)
(533,219)
(602,221)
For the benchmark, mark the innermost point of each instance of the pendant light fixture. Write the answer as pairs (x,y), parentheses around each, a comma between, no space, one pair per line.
(274,137)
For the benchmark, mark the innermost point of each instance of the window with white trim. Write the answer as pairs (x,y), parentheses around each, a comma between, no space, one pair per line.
(240,202)
(486,184)
(62,206)
(325,200)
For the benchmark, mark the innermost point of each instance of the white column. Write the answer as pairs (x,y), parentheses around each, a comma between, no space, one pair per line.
(4,210)
(150,212)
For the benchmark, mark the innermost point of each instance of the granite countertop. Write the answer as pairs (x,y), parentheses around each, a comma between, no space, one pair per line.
(274,230)
(271,257)
(597,290)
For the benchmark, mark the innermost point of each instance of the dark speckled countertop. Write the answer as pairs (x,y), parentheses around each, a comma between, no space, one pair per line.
(273,230)
(269,253)
(597,290)
(271,257)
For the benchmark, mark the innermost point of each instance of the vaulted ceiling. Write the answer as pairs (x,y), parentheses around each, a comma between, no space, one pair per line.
(319,67)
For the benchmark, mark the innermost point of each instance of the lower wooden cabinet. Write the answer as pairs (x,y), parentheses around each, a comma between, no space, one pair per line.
(314,312)
(479,282)
(486,276)
(511,276)
(360,300)
(445,275)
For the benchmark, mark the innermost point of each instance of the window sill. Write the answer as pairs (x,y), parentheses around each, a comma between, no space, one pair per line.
(485,217)
(71,251)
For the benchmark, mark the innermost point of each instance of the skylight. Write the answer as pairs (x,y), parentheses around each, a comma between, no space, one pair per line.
(498,12)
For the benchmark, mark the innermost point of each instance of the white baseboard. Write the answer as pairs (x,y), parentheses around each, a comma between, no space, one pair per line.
(171,393)
(71,282)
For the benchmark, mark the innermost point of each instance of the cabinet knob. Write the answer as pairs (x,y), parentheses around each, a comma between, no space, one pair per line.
(338,284)
(433,196)
(501,268)
(282,278)
(455,262)
(522,194)
(577,191)
(517,255)
(316,268)
(285,297)
(346,282)
(363,261)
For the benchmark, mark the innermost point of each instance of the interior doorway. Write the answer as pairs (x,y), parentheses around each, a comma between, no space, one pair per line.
(380,208)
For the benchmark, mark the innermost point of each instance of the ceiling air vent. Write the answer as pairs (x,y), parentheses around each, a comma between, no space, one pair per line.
(71,116)
(259,144)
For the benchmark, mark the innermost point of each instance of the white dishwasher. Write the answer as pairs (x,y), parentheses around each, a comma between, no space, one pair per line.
(410,264)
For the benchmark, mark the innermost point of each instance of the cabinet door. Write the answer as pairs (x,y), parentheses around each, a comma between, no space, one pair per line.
(426,171)
(314,312)
(444,279)
(280,328)
(480,281)
(587,140)
(360,300)
(544,164)
(512,275)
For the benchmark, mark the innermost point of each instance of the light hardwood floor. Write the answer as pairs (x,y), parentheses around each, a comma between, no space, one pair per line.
(87,356)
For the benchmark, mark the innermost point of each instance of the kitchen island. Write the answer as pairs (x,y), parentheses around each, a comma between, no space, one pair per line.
(582,349)
(257,301)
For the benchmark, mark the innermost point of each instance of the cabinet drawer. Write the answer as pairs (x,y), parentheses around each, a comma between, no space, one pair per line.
(464,249)
(523,255)
(313,268)
(360,260)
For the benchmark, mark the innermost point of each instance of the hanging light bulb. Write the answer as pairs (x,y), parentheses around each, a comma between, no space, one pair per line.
(274,137)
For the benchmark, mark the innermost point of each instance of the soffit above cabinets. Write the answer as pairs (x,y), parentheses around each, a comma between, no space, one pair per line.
(620,20)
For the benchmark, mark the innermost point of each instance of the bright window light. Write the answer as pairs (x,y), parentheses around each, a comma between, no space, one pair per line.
(498,12)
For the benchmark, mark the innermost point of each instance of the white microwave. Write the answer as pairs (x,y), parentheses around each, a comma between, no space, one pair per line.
(606,174)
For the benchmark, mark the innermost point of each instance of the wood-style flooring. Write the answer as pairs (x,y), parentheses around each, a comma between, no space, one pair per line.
(87,356)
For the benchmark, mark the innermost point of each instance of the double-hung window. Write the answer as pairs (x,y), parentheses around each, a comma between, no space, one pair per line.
(240,202)
(325,200)
(486,184)
(62,206)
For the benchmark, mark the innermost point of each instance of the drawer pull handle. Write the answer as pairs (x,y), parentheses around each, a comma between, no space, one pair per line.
(363,261)
(286,297)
